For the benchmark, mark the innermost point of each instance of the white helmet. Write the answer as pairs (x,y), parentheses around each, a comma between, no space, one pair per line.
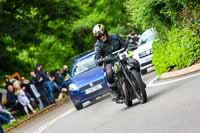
(98,29)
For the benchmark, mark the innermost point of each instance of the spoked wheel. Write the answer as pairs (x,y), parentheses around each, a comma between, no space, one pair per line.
(127,98)
(138,85)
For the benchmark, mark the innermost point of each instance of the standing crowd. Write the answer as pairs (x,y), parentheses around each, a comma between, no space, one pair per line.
(25,96)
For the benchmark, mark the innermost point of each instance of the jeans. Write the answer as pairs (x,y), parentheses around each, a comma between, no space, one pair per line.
(47,84)
(1,129)
(110,77)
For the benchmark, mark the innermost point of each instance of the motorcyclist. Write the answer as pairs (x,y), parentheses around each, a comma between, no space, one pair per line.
(104,46)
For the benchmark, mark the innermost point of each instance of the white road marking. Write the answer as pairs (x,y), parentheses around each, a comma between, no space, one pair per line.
(151,84)
(46,125)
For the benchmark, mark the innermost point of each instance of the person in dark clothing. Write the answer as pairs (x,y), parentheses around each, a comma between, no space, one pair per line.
(60,83)
(104,46)
(45,81)
(3,120)
(43,91)
(12,101)
(58,78)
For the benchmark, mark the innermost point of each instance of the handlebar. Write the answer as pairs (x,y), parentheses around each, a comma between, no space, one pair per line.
(108,59)
(118,51)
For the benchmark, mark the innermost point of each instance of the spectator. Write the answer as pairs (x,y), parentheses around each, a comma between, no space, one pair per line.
(12,101)
(65,72)
(6,114)
(29,93)
(58,78)
(3,120)
(42,90)
(23,99)
(30,87)
(45,81)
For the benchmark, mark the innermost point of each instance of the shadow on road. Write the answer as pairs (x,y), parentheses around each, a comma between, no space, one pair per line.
(99,99)
(135,103)
(163,91)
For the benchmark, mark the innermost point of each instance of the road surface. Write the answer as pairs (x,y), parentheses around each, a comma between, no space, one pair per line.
(173,107)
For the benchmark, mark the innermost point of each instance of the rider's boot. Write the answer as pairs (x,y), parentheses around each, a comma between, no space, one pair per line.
(115,95)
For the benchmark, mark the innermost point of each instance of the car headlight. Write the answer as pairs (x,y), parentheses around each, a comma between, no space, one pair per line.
(73,87)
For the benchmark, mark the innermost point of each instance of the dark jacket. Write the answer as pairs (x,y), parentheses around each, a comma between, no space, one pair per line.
(41,74)
(11,99)
(113,43)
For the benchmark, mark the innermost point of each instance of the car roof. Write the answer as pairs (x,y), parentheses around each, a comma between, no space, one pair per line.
(83,56)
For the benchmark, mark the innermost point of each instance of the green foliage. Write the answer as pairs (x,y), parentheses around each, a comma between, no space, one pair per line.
(162,14)
(145,14)
(50,32)
(181,50)
(109,13)
(34,32)
(177,47)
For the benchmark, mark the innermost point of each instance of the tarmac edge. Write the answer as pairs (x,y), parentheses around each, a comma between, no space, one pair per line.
(181,72)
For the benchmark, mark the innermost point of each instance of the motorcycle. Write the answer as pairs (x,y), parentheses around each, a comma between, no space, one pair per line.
(128,79)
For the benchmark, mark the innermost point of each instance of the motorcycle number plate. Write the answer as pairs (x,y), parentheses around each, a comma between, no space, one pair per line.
(123,55)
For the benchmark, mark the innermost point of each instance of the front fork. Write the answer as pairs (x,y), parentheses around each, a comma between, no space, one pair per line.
(132,90)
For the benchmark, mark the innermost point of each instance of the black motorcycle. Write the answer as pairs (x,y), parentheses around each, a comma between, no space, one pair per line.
(127,78)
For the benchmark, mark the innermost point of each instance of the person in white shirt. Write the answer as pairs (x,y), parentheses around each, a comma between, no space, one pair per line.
(23,99)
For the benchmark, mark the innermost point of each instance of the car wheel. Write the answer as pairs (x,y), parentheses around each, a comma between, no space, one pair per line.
(78,106)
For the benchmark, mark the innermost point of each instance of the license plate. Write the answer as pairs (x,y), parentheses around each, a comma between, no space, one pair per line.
(93,89)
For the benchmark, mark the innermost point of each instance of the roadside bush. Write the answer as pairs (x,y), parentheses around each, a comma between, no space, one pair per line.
(182,49)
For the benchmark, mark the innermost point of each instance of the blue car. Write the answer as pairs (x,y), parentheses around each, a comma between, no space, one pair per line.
(87,80)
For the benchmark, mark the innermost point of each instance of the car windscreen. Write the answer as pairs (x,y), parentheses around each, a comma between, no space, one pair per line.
(147,36)
(84,65)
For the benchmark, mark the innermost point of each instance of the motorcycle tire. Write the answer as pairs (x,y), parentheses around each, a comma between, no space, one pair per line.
(127,99)
(140,87)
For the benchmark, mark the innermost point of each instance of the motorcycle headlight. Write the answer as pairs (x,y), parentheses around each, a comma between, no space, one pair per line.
(116,67)
(73,87)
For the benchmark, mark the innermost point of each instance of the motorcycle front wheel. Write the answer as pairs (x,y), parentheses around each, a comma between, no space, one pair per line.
(127,97)
(137,83)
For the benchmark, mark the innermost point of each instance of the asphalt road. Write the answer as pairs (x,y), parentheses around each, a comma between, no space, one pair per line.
(173,107)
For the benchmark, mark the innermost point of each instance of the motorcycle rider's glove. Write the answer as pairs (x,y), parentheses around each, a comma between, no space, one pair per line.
(100,62)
